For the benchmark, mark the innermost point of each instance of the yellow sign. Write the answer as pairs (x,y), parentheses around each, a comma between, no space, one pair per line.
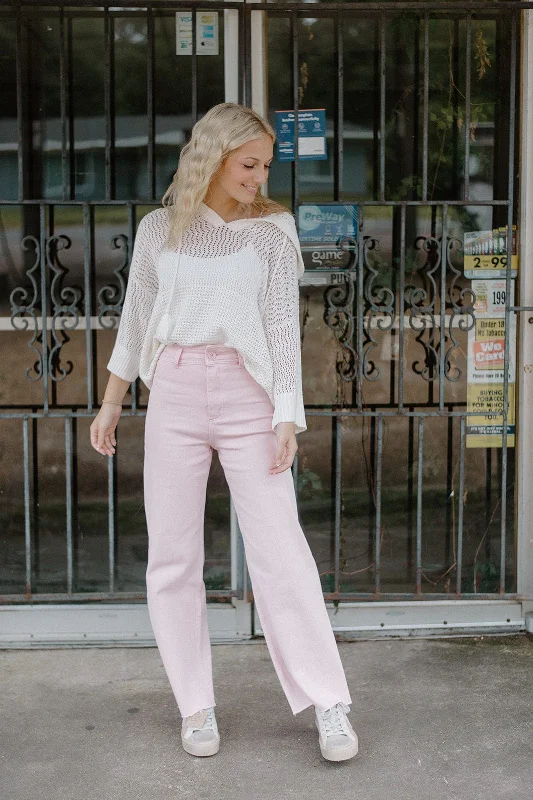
(487,430)
(486,370)
(485,254)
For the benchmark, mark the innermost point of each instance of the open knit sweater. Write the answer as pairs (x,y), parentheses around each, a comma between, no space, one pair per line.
(231,283)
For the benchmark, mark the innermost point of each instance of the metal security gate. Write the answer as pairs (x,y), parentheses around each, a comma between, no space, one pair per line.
(413,531)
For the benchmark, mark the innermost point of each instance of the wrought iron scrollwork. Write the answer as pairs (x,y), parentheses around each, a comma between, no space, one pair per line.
(111,297)
(65,300)
(460,308)
(420,302)
(338,312)
(25,308)
(379,305)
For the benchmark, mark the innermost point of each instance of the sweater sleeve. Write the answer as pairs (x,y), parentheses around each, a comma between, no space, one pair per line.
(281,319)
(138,303)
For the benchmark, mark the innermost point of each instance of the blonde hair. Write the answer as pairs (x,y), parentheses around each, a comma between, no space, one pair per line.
(224,128)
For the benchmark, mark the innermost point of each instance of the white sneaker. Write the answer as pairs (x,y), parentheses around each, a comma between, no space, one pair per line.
(338,740)
(199,733)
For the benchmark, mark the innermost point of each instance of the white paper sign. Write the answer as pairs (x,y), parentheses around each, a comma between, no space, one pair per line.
(490,297)
(206,33)
(311,145)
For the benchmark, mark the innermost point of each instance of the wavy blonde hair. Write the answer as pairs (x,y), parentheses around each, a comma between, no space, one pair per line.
(224,128)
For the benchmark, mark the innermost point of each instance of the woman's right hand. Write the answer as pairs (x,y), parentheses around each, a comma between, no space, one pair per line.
(103,428)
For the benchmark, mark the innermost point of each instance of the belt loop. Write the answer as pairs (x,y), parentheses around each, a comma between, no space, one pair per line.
(178,356)
(241,359)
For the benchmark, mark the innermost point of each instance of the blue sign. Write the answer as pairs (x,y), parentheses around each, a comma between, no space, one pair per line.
(328,235)
(311,134)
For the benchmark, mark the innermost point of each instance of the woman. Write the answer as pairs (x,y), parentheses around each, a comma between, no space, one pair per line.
(210,323)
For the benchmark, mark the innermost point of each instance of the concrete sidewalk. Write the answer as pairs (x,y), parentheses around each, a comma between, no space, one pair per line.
(450,719)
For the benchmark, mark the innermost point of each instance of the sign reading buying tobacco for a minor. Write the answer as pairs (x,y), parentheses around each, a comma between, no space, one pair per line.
(328,235)
(485,391)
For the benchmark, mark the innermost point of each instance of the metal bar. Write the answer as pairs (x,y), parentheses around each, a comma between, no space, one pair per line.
(132,220)
(194,71)
(425,596)
(379,461)
(455,107)
(150,105)
(369,324)
(488,496)
(468,81)
(70,112)
(450,497)
(370,203)
(295,473)
(44,302)
(360,306)
(243,579)
(88,301)
(21,105)
(245,74)
(221,594)
(68,490)
(382,96)
(425,110)
(410,495)
(337,425)
(111,493)
(500,6)
(35,498)
(401,310)
(27,498)
(460,514)
(109,104)
(58,414)
(91,264)
(63,58)
(338,167)
(510,214)
(371,472)
(398,5)
(419,490)
(443,271)
(128,6)
(60,597)
(295,165)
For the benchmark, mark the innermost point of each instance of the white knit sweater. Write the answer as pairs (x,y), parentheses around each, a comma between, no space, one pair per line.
(232,283)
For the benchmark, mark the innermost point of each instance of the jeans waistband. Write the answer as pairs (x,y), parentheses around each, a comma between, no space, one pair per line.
(203,354)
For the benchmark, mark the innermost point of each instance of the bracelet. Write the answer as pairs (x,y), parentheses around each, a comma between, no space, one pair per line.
(112,402)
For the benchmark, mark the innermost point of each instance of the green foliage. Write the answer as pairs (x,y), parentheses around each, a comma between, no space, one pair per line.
(483,576)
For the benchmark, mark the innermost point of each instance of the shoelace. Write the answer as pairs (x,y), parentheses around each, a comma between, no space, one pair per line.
(195,721)
(334,720)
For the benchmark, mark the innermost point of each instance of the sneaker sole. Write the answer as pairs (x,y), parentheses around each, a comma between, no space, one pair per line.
(339,753)
(202,748)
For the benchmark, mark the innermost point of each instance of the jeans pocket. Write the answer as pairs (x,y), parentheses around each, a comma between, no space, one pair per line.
(171,355)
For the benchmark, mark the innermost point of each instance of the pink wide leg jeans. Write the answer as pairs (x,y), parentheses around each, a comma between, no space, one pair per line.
(203,398)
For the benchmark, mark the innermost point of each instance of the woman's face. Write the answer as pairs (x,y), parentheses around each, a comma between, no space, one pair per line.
(244,170)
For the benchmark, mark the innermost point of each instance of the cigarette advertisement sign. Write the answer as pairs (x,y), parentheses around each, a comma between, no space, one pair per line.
(486,364)
(491,297)
(485,254)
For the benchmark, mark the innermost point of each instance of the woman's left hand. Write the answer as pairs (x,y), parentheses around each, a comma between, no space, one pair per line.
(286,447)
